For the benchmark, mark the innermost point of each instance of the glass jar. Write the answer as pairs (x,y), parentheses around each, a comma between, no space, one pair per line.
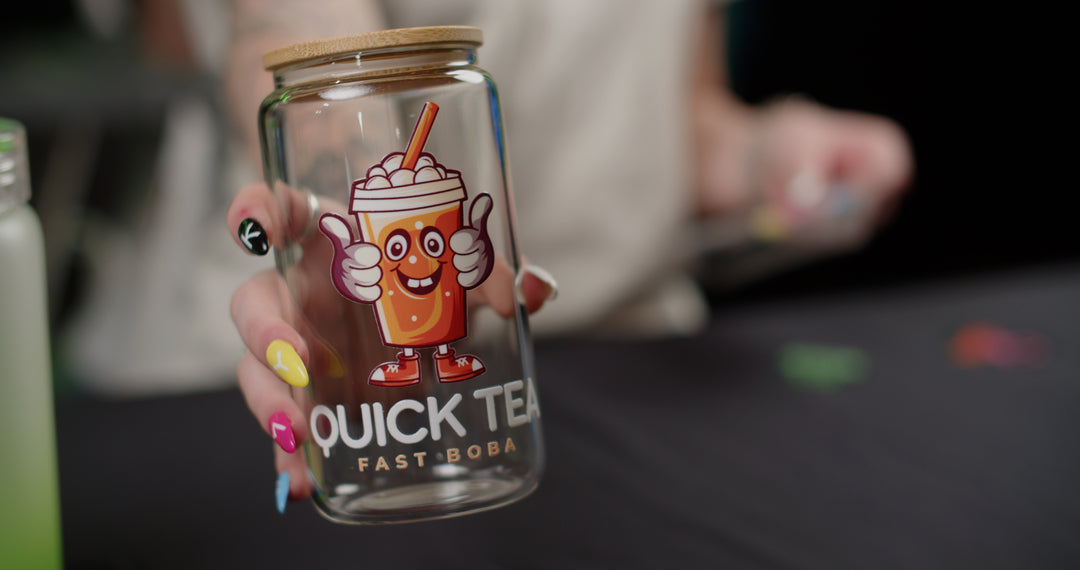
(386,156)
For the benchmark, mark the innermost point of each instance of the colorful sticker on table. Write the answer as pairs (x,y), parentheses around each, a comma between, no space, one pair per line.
(983,343)
(822,368)
(415,257)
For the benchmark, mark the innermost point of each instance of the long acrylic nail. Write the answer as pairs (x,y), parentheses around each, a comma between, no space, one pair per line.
(286,363)
(548,279)
(281,431)
(281,491)
(806,191)
(253,236)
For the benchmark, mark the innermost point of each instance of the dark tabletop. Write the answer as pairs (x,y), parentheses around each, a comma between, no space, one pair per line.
(692,452)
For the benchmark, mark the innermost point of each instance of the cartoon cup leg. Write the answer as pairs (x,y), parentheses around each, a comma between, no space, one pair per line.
(452,368)
(404,372)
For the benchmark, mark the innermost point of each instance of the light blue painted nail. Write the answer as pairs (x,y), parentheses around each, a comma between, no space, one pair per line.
(281,491)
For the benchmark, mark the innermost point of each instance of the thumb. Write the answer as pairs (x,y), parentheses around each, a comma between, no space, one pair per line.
(479,212)
(336,229)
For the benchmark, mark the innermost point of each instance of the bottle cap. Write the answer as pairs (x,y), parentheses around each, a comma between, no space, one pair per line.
(14,176)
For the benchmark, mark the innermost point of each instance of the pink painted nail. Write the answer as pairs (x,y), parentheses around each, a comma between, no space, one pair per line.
(281,430)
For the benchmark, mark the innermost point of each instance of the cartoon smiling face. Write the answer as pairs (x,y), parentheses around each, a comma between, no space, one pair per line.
(416,259)
(421,300)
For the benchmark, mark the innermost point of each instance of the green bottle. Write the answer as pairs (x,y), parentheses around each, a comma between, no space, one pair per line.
(29,489)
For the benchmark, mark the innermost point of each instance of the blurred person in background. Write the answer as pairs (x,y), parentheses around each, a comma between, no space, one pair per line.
(658,162)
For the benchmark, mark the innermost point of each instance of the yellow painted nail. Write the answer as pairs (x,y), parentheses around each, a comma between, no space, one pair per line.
(286,363)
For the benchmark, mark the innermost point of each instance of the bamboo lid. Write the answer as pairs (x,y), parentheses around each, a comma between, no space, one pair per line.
(329,47)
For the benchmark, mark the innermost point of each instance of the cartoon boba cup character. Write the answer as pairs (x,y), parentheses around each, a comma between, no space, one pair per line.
(415,258)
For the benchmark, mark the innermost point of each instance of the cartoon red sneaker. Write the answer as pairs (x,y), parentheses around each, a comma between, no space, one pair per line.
(404,372)
(452,368)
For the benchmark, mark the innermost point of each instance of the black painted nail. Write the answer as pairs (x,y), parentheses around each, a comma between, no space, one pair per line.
(253,236)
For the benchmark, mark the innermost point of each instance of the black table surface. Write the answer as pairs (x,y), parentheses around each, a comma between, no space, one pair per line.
(690,452)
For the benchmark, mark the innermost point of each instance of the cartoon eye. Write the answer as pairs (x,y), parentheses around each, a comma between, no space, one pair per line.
(397,245)
(433,242)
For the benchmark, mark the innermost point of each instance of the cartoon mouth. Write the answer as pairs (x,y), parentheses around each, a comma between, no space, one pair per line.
(419,286)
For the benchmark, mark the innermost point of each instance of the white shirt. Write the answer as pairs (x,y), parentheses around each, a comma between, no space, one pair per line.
(594,96)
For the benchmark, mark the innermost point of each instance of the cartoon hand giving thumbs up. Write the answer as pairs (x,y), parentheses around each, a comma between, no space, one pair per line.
(355,268)
(472,245)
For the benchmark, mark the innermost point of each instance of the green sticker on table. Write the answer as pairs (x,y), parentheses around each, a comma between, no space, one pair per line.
(822,367)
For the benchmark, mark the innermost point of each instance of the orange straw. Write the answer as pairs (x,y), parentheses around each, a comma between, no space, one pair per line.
(419,135)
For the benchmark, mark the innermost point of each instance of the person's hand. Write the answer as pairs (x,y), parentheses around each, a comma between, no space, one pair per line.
(276,366)
(803,162)
(807,154)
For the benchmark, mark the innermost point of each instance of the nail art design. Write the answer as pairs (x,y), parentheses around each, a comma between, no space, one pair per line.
(281,431)
(286,363)
(253,236)
(281,491)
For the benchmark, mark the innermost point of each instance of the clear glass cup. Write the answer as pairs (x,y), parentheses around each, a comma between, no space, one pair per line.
(386,154)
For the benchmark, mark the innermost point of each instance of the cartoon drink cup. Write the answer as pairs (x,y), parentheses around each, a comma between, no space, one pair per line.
(422,303)
(414,259)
